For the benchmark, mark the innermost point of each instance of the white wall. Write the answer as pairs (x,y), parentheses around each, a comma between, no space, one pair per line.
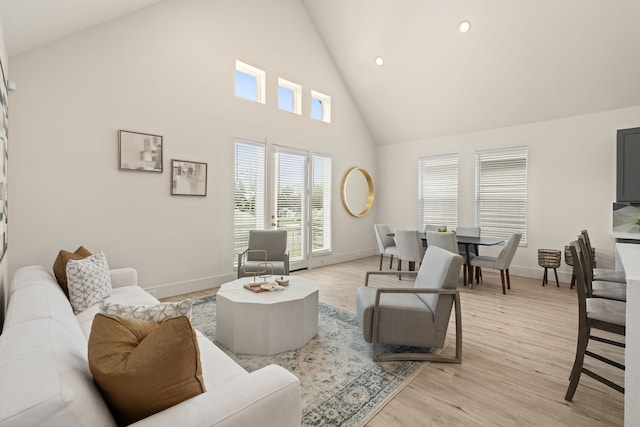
(4,282)
(168,70)
(571,185)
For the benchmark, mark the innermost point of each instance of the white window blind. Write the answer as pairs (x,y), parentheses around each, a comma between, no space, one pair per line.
(438,190)
(320,203)
(501,192)
(249,202)
(291,205)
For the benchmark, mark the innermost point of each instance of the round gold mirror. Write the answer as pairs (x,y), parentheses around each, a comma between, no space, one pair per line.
(357,191)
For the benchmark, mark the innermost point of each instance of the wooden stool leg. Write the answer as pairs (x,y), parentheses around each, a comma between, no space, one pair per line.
(556,273)
(544,277)
(573,280)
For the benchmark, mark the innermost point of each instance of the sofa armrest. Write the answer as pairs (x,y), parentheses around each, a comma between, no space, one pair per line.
(127,276)
(269,396)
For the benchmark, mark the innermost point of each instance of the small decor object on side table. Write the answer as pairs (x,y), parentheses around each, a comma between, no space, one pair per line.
(282,281)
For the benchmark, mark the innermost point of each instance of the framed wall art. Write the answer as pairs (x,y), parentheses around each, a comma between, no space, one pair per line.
(188,178)
(139,151)
(4,158)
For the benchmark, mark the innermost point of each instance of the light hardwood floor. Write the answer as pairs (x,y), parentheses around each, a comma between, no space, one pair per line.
(518,350)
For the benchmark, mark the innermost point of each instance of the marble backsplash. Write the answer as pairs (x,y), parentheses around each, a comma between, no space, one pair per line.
(625,216)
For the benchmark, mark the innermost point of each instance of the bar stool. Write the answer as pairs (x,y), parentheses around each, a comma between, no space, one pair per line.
(549,258)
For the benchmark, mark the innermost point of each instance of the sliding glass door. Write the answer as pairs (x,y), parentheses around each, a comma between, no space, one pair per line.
(289,190)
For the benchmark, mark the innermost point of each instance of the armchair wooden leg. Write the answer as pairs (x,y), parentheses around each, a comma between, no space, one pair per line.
(381,262)
(391,262)
(502,279)
(508,279)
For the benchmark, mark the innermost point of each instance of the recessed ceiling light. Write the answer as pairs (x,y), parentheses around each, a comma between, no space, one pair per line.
(379,60)
(465,26)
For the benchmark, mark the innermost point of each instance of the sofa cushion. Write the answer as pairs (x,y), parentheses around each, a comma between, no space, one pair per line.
(143,367)
(88,280)
(45,375)
(60,265)
(156,312)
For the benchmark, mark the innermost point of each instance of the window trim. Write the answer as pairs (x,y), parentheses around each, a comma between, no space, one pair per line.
(325,102)
(261,77)
(261,219)
(449,218)
(328,235)
(517,188)
(296,90)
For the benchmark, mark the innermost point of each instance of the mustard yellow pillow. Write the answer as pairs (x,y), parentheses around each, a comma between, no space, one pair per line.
(60,265)
(143,367)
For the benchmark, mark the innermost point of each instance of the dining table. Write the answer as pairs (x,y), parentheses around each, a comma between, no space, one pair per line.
(467,242)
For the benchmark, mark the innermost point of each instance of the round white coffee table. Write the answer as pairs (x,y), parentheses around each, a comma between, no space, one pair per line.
(266,323)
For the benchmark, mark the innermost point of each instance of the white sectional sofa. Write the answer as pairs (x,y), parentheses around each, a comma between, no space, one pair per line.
(45,378)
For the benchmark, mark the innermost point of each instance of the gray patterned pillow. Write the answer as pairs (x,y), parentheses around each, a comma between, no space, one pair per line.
(88,280)
(158,313)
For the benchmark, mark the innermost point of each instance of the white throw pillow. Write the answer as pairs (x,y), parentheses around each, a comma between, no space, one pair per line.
(88,280)
(158,313)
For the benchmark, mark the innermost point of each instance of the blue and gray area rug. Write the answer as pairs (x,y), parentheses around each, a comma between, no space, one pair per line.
(341,385)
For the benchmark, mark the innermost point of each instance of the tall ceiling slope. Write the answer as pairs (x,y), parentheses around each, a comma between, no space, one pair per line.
(30,23)
(522,61)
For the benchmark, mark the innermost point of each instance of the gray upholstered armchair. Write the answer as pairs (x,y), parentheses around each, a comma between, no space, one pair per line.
(417,316)
(268,246)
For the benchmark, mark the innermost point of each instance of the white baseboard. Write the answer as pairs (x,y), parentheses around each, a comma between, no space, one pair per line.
(179,288)
(537,273)
(324,260)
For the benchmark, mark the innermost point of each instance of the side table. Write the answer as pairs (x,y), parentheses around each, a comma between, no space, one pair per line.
(549,258)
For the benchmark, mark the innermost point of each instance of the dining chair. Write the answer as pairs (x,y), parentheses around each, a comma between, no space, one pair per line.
(266,253)
(386,244)
(447,241)
(602,273)
(473,251)
(410,249)
(500,262)
(599,288)
(594,313)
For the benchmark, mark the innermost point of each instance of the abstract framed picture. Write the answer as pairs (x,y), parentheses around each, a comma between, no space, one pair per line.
(139,151)
(188,178)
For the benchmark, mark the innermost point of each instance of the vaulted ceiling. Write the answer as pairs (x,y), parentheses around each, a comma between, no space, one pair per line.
(522,61)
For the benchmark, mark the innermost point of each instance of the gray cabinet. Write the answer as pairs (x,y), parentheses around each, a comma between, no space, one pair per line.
(628,165)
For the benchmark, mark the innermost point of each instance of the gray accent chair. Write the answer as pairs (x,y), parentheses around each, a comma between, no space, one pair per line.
(417,316)
(599,314)
(386,244)
(501,262)
(265,246)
